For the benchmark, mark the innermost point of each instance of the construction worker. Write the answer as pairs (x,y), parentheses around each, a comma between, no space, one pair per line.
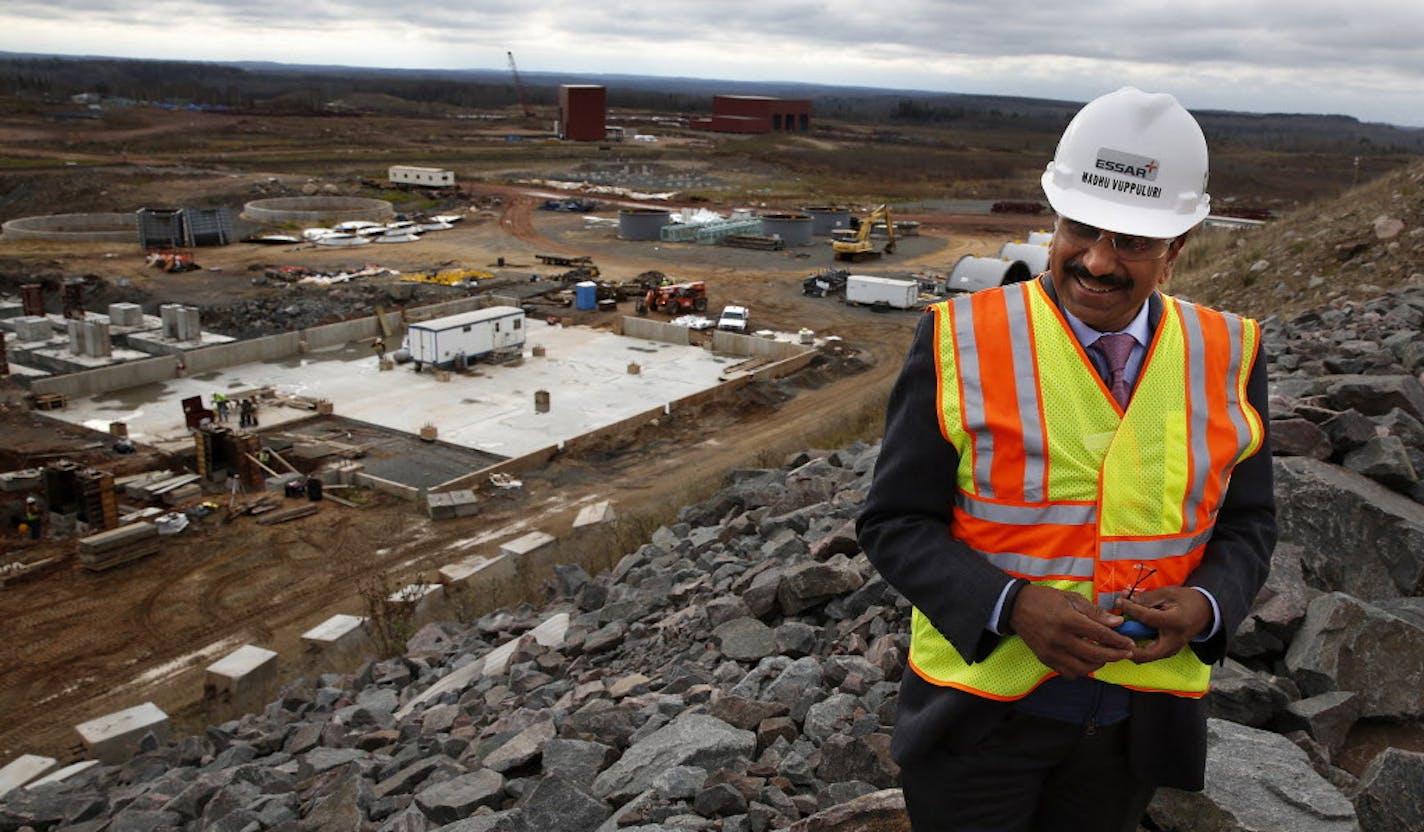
(379,346)
(33,517)
(220,405)
(1079,523)
(244,413)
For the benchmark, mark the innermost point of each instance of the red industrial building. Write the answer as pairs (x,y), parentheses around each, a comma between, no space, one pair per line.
(583,109)
(756,114)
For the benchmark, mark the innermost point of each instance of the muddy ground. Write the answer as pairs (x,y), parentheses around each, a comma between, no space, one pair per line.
(83,644)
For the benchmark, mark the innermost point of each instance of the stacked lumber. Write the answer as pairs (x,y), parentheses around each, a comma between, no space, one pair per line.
(158,489)
(106,550)
(275,517)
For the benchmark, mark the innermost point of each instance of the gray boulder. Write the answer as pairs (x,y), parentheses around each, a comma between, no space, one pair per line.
(1347,644)
(1256,781)
(453,799)
(556,803)
(1356,535)
(1374,395)
(692,739)
(745,639)
(1391,797)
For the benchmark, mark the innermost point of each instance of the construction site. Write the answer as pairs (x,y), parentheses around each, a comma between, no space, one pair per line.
(312,405)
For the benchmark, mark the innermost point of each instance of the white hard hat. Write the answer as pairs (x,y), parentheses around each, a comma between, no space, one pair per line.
(1131,162)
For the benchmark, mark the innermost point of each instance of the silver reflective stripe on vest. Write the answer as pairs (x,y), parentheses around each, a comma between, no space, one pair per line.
(1197,416)
(1026,384)
(1036,568)
(973,402)
(1233,373)
(1016,515)
(1148,550)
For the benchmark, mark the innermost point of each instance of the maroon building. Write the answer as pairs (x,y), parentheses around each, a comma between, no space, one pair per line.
(582,112)
(756,114)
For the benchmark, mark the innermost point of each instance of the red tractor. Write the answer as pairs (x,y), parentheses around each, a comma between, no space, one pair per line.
(676,298)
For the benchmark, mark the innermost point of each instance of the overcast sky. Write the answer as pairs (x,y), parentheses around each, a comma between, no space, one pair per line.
(1362,58)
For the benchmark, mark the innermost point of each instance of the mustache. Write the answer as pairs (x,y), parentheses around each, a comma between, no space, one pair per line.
(1076,269)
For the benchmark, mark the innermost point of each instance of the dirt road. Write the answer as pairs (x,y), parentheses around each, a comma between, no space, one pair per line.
(84,644)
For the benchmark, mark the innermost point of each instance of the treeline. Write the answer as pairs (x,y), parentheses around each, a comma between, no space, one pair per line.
(276,87)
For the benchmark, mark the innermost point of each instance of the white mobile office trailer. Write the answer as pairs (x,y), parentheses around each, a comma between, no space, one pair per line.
(882,291)
(423,177)
(468,336)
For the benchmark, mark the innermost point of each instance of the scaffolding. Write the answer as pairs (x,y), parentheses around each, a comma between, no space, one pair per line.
(710,233)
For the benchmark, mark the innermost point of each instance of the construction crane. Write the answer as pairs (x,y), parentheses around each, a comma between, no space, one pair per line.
(519,88)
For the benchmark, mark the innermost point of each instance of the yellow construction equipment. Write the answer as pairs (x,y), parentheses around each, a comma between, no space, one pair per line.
(859,247)
(448,277)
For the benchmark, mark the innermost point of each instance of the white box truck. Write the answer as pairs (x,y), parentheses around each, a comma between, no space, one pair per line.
(444,342)
(883,292)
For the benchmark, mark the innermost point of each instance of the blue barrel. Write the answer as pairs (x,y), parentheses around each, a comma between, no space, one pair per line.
(586,296)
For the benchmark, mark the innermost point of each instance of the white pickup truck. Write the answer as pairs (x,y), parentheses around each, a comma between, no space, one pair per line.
(733,319)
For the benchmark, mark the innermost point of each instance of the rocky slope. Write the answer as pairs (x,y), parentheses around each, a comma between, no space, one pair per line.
(739,670)
(1353,248)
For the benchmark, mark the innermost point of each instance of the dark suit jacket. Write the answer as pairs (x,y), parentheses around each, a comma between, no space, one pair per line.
(904,529)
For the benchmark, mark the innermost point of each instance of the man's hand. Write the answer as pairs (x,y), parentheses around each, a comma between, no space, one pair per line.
(1178,613)
(1068,632)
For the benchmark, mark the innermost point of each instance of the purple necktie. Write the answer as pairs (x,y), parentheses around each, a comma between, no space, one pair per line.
(1116,348)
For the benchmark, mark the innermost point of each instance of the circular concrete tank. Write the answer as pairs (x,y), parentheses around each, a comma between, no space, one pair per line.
(642,223)
(826,218)
(316,210)
(971,274)
(75,228)
(1040,237)
(793,229)
(1034,255)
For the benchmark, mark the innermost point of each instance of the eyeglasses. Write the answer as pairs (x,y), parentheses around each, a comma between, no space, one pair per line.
(1128,247)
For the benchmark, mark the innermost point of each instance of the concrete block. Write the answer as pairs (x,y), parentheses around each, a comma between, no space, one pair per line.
(24,769)
(25,479)
(550,633)
(125,314)
(241,676)
(464,502)
(11,309)
(32,328)
(420,598)
(456,575)
(339,633)
(526,544)
(440,506)
(64,774)
(593,515)
(115,738)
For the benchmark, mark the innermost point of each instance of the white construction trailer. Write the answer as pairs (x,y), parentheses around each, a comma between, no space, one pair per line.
(882,291)
(469,336)
(421,177)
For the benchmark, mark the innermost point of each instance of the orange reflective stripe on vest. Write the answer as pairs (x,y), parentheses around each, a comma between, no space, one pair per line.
(1060,485)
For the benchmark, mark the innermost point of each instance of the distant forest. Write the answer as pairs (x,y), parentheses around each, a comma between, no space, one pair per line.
(278,88)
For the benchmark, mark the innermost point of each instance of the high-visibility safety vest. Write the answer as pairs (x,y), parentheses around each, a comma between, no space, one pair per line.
(1059,485)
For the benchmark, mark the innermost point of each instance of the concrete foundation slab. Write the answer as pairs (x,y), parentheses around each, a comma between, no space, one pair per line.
(339,633)
(11,309)
(593,515)
(24,769)
(490,408)
(115,738)
(242,675)
(63,774)
(526,544)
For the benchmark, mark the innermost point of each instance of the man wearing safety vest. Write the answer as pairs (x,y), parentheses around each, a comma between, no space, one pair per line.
(1074,493)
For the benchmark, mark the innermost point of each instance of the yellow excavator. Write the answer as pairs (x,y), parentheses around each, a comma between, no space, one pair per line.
(859,247)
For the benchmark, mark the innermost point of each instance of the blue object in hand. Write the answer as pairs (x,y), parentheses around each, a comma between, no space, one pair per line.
(1135,630)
